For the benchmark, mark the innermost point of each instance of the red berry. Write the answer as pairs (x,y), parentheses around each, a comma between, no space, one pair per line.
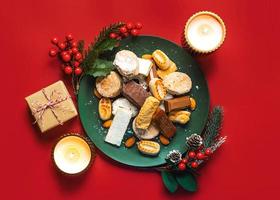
(129,25)
(184,160)
(125,34)
(63,53)
(78,56)
(200,147)
(194,164)
(61,45)
(68,70)
(134,32)
(54,40)
(191,154)
(208,152)
(123,29)
(78,71)
(74,50)
(52,52)
(66,57)
(113,35)
(69,37)
(76,64)
(182,166)
(200,156)
(138,25)
(74,44)
(70,52)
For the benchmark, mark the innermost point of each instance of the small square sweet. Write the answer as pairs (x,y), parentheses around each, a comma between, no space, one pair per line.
(51,106)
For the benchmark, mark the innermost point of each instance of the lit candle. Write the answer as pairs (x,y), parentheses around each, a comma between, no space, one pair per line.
(72,154)
(204,32)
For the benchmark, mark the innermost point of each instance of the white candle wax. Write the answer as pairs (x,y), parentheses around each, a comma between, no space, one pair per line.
(205,32)
(72,154)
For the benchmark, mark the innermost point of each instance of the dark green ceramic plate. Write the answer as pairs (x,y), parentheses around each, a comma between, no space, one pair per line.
(88,104)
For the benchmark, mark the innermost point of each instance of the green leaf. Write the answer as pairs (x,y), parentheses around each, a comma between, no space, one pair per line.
(100,68)
(169,181)
(106,45)
(187,181)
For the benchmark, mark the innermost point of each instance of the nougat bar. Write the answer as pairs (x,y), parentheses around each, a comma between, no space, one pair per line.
(177,103)
(135,93)
(166,126)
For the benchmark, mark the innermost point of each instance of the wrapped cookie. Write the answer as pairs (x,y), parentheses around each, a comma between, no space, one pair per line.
(157,88)
(109,86)
(163,73)
(144,67)
(163,122)
(151,132)
(177,83)
(177,103)
(161,59)
(135,93)
(127,63)
(146,112)
(149,148)
(181,116)
(105,108)
(125,104)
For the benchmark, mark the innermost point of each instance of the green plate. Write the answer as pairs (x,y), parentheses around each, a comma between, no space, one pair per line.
(88,104)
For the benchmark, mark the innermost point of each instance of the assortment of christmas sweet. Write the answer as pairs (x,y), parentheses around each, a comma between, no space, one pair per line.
(150,92)
(147,90)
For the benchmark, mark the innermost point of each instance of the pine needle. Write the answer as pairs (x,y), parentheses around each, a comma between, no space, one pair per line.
(213,126)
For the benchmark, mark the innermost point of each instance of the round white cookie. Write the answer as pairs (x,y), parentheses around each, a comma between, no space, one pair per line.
(109,86)
(127,63)
(147,134)
(124,103)
(177,83)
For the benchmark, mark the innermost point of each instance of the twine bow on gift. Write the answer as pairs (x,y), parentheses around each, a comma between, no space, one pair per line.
(53,100)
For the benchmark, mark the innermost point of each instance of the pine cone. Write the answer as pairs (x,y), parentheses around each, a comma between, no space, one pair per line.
(174,156)
(194,141)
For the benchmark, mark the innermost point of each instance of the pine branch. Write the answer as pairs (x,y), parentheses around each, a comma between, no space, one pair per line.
(101,44)
(81,45)
(105,32)
(213,126)
(217,144)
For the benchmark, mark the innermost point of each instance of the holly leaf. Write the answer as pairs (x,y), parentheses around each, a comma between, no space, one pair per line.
(187,181)
(169,181)
(106,45)
(100,68)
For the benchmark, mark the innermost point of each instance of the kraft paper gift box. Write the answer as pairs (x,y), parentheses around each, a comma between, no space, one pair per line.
(51,106)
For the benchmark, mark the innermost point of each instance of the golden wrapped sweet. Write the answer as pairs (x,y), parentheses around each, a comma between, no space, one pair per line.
(148,147)
(157,88)
(105,108)
(146,112)
(181,117)
(163,73)
(161,59)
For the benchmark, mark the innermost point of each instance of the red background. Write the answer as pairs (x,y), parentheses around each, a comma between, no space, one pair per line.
(243,76)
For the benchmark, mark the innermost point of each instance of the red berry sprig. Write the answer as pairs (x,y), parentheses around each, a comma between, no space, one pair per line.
(68,54)
(126,30)
(193,158)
